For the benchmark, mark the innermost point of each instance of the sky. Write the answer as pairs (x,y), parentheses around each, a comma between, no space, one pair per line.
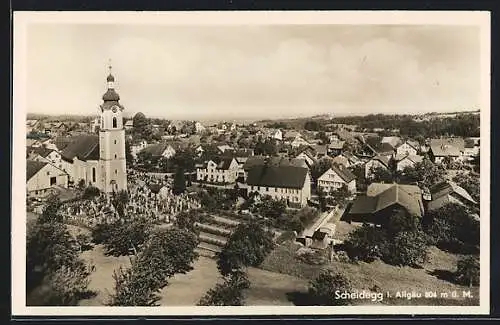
(245,72)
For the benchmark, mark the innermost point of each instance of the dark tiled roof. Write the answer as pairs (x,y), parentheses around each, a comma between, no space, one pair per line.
(42,151)
(272,161)
(395,194)
(156,150)
(32,167)
(363,205)
(84,147)
(343,172)
(383,159)
(446,188)
(277,176)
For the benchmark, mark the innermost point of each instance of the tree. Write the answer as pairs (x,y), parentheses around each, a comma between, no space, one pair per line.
(366,243)
(323,289)
(228,293)
(270,208)
(179,182)
(184,159)
(408,248)
(52,259)
(90,192)
(119,201)
(51,210)
(381,175)
(453,228)
(339,196)
(128,154)
(248,246)
(425,173)
(140,121)
(167,252)
(470,183)
(124,238)
(398,220)
(468,271)
(312,126)
(320,167)
(132,288)
(322,136)
(266,148)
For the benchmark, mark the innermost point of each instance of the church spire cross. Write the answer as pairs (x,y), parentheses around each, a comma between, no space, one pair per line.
(110,77)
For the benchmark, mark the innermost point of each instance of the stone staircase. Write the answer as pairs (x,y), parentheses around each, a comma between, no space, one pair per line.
(214,234)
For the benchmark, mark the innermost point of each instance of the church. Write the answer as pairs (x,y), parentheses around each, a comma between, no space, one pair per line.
(100,160)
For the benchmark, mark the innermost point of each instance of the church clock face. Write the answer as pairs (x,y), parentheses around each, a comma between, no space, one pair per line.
(114,109)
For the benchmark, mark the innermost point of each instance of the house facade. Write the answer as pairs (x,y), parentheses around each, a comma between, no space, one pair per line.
(223,172)
(42,176)
(336,177)
(407,148)
(376,162)
(289,183)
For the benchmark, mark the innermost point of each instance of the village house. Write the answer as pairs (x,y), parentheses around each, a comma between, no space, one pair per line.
(272,161)
(129,125)
(299,141)
(136,147)
(471,147)
(382,199)
(347,159)
(449,192)
(307,157)
(199,128)
(408,147)
(160,150)
(335,147)
(223,148)
(450,148)
(336,177)
(223,172)
(290,183)
(393,141)
(275,134)
(42,176)
(376,162)
(404,160)
(43,154)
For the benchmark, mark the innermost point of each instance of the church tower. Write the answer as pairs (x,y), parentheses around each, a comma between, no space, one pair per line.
(112,164)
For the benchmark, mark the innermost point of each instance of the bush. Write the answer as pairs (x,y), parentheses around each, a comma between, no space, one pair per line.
(312,257)
(407,248)
(322,289)
(468,271)
(366,243)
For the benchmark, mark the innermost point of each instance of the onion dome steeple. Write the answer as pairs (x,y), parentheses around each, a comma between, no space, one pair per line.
(111,97)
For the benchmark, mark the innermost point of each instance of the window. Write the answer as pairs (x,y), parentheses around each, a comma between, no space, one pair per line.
(53,181)
(48,173)
(93,174)
(114,122)
(115,141)
(116,171)
(115,155)
(267,189)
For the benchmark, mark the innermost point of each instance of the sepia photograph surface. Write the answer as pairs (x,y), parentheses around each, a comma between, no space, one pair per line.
(250,163)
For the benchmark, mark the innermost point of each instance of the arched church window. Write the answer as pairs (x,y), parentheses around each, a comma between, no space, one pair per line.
(114,122)
(93,174)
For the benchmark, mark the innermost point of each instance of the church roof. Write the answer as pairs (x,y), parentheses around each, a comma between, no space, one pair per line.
(85,147)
